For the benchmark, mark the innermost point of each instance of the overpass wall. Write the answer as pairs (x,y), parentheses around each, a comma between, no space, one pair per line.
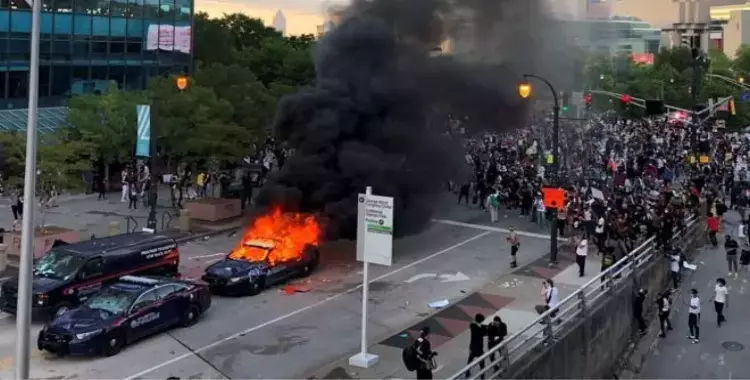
(594,344)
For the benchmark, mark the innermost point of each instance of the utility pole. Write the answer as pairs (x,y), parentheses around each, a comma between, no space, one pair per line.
(25,275)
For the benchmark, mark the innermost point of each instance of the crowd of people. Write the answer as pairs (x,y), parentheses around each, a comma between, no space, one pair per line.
(626,180)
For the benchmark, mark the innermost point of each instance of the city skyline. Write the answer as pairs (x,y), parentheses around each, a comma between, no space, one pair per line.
(302,16)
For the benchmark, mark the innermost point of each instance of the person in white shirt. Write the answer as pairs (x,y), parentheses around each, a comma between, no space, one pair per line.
(674,268)
(541,212)
(582,250)
(721,298)
(601,238)
(551,298)
(125,186)
(694,316)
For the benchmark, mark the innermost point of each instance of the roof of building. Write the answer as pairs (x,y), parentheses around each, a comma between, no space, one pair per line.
(49,118)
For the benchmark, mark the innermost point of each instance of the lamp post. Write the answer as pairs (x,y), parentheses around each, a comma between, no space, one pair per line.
(182,83)
(524,90)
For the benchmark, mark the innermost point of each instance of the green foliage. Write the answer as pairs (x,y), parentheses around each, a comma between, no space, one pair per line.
(59,164)
(671,79)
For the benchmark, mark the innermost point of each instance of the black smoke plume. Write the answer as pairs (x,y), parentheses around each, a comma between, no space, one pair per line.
(379,111)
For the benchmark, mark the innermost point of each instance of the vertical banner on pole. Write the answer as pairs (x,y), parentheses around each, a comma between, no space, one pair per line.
(374,245)
(143,138)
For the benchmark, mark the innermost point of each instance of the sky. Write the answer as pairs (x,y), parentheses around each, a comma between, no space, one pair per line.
(302,16)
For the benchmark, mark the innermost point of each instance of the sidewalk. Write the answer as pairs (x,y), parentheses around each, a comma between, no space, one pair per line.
(512,297)
(721,353)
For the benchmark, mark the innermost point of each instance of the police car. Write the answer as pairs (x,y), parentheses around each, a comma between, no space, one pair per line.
(237,276)
(130,309)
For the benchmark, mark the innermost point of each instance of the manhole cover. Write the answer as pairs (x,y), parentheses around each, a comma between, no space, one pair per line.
(732,346)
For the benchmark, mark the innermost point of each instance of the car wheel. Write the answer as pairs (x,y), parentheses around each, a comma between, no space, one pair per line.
(191,316)
(255,287)
(113,345)
(59,310)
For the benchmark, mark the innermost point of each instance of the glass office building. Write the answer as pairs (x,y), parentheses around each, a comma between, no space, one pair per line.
(85,44)
(616,35)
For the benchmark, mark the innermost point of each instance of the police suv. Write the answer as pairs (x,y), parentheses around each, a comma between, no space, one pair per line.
(130,309)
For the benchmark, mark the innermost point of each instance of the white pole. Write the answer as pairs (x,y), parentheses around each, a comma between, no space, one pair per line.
(23,307)
(365,291)
(363,359)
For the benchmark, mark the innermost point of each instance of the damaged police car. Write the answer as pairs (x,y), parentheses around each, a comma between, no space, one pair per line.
(126,311)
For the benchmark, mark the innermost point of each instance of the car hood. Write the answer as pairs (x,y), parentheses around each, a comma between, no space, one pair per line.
(38,284)
(81,319)
(233,268)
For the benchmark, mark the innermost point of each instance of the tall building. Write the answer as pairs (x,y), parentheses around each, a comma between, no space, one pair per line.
(736,30)
(84,46)
(665,13)
(279,22)
(615,35)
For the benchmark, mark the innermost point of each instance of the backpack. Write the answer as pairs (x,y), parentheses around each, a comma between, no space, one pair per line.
(410,358)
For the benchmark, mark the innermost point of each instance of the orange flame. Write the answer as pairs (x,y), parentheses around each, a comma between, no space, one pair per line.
(287,233)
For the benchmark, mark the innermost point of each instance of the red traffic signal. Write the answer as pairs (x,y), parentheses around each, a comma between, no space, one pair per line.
(587,98)
(626,99)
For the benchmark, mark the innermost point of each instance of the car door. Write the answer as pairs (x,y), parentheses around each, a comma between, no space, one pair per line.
(145,316)
(89,278)
(173,304)
(278,273)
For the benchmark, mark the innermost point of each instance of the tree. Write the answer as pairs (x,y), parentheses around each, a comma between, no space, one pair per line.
(12,158)
(194,124)
(253,104)
(207,32)
(104,125)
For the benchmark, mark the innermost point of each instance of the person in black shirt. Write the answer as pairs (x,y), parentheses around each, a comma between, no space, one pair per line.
(497,330)
(731,246)
(425,354)
(638,310)
(476,341)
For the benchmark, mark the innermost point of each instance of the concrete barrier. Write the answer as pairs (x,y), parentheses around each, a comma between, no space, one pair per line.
(592,347)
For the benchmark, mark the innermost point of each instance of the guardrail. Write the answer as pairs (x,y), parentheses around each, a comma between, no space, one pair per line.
(555,323)
(129,220)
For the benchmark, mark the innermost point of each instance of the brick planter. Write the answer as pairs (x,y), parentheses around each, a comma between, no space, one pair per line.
(43,240)
(214,209)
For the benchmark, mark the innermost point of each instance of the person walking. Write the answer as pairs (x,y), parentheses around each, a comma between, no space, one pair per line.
(425,355)
(640,297)
(721,300)
(493,204)
(476,342)
(125,186)
(515,243)
(694,316)
(664,304)
(731,246)
(712,225)
(582,251)
(133,196)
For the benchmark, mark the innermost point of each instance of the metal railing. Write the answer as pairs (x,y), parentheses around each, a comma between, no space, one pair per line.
(556,322)
(131,222)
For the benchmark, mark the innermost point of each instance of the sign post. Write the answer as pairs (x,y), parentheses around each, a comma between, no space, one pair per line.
(374,245)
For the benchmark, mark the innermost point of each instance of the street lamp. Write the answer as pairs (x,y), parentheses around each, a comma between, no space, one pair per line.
(741,79)
(181,83)
(525,89)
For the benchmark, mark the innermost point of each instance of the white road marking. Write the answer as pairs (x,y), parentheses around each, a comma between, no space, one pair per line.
(494,229)
(301,310)
(205,256)
(421,276)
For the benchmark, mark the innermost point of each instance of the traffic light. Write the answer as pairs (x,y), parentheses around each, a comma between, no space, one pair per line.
(565,106)
(587,100)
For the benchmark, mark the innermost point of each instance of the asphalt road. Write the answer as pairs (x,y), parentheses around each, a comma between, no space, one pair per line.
(278,335)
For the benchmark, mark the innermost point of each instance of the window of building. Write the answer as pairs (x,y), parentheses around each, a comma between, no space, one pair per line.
(116,47)
(60,85)
(44,79)
(3,83)
(133,45)
(81,48)
(117,74)
(183,9)
(18,49)
(135,8)
(99,73)
(45,49)
(167,10)
(4,4)
(99,50)
(80,73)
(63,6)
(151,9)
(133,78)
(61,49)
(18,85)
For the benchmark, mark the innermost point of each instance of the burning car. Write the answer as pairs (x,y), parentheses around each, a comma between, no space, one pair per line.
(277,247)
